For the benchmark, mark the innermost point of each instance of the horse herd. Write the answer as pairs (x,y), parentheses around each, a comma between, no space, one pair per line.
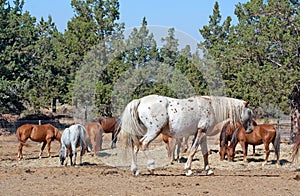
(144,119)
(87,137)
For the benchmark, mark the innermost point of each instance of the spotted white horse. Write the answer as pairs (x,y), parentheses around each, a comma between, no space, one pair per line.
(72,137)
(145,118)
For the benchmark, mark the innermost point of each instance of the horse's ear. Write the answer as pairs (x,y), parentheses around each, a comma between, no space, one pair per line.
(246,104)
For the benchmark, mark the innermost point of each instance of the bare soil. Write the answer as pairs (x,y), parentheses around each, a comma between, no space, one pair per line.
(108,173)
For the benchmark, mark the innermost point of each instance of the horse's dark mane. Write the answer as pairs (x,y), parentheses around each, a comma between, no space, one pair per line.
(234,141)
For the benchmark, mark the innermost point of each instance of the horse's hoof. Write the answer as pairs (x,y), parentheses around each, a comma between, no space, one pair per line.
(151,171)
(189,172)
(210,173)
(136,172)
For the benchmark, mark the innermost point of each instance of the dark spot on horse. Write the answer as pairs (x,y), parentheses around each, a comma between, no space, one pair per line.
(150,123)
(190,100)
(177,103)
(175,111)
(149,108)
(162,114)
(192,108)
(160,100)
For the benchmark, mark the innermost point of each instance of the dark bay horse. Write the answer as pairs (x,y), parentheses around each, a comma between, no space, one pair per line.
(111,125)
(261,134)
(94,133)
(37,133)
(71,138)
(296,147)
(226,135)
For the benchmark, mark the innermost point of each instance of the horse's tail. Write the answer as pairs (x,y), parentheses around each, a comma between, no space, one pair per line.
(277,144)
(130,127)
(19,133)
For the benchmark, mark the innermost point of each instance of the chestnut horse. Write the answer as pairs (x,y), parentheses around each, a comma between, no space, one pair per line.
(111,125)
(94,133)
(296,147)
(261,134)
(37,133)
(226,135)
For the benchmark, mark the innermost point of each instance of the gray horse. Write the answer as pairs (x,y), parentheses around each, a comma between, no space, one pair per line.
(72,137)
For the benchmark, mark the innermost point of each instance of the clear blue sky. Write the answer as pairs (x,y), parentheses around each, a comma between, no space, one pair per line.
(186,16)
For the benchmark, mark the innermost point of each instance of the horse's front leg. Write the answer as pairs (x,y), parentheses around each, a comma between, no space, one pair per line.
(42,148)
(48,147)
(244,147)
(200,139)
(113,140)
(73,153)
(20,147)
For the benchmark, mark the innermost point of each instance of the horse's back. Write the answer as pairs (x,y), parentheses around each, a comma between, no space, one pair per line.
(77,133)
(108,124)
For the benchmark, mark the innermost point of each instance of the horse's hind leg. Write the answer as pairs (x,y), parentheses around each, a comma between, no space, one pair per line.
(134,151)
(267,154)
(42,148)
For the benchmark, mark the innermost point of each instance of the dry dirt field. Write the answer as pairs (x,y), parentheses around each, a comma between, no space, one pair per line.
(108,173)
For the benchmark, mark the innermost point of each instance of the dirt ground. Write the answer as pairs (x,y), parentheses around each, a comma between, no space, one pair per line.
(108,173)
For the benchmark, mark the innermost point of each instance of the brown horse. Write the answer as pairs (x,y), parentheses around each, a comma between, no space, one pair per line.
(296,147)
(261,134)
(94,133)
(37,133)
(111,125)
(226,135)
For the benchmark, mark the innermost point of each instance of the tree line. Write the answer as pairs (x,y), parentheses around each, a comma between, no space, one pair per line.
(93,65)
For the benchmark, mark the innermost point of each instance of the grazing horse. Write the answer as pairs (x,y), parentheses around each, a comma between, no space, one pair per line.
(226,135)
(72,137)
(94,134)
(145,118)
(38,133)
(111,125)
(296,147)
(261,134)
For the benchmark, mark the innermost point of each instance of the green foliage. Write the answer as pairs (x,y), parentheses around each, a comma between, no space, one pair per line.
(92,66)
(259,57)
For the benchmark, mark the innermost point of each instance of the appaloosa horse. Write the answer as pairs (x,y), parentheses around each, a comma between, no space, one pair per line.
(145,118)
(261,134)
(94,133)
(72,137)
(38,133)
(111,125)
